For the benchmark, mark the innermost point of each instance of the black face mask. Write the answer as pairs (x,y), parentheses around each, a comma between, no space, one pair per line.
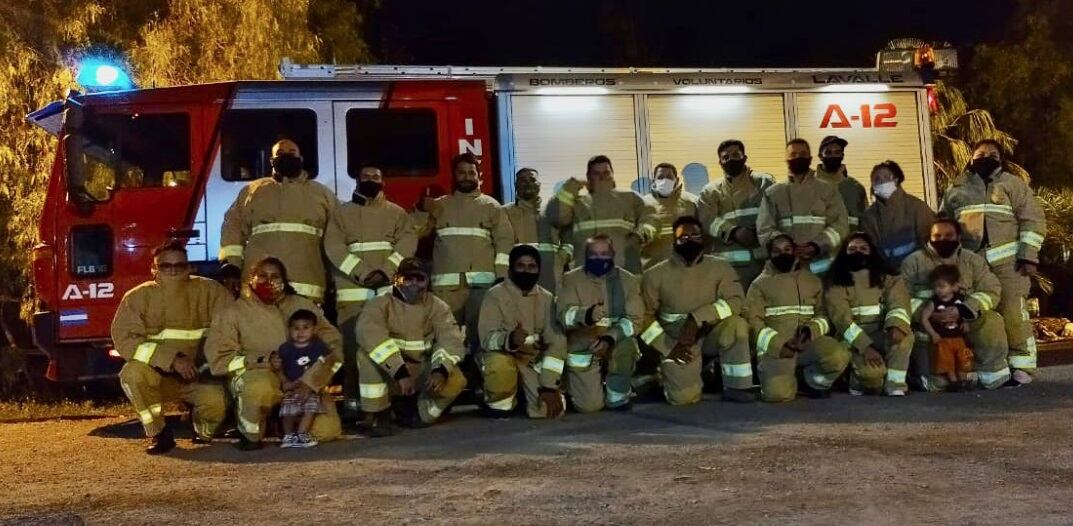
(799,165)
(783,262)
(369,189)
(734,167)
(831,164)
(984,166)
(856,261)
(524,280)
(411,294)
(287,165)
(599,266)
(689,250)
(946,247)
(466,186)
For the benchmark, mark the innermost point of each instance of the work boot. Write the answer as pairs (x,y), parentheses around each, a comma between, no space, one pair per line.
(163,442)
(496,414)
(245,444)
(198,441)
(379,424)
(628,406)
(740,396)
(811,392)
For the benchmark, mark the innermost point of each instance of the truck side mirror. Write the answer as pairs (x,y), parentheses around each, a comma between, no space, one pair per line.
(72,156)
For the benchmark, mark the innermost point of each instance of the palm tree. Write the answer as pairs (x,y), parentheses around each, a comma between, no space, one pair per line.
(955,128)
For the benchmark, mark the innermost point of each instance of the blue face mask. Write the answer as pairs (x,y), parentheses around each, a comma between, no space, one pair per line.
(598,266)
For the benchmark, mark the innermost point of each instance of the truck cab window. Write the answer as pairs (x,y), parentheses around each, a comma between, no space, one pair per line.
(135,151)
(402,142)
(247,136)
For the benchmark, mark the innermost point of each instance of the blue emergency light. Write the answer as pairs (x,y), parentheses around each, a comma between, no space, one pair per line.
(95,74)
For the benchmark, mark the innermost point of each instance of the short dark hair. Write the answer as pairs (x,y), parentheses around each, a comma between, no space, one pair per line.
(899,175)
(303,315)
(665,165)
(727,144)
(771,242)
(947,221)
(526,169)
(366,164)
(598,159)
(983,142)
(947,273)
(599,237)
(173,245)
(467,158)
(686,220)
(798,140)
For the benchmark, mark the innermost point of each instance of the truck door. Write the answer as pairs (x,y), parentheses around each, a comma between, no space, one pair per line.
(140,165)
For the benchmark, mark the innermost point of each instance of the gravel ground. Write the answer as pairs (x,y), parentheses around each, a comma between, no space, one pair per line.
(975,458)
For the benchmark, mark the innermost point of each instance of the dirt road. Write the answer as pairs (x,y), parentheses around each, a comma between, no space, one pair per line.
(979,458)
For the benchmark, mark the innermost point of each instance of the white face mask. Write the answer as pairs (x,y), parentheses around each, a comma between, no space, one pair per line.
(663,187)
(884,190)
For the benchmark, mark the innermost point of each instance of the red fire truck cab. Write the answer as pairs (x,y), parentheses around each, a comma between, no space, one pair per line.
(136,168)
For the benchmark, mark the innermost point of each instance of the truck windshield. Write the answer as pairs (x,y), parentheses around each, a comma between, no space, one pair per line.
(135,151)
(401,142)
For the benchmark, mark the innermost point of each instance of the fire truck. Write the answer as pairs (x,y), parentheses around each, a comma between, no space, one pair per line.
(137,167)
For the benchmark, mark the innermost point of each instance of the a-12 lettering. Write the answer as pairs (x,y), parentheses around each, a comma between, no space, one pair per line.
(871,116)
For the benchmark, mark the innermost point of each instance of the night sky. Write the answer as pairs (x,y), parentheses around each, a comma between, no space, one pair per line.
(688,33)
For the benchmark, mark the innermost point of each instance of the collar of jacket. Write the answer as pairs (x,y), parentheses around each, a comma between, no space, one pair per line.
(823,175)
(810,176)
(613,270)
(361,200)
(472,195)
(952,260)
(302,177)
(529,205)
(678,260)
(968,177)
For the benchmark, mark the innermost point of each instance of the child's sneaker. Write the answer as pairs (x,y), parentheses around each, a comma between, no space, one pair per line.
(896,392)
(855,392)
(289,440)
(1021,377)
(305,440)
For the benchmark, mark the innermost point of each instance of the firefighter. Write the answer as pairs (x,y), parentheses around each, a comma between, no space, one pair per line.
(242,342)
(808,210)
(785,311)
(982,289)
(282,216)
(622,215)
(522,342)
(832,170)
(728,209)
(693,306)
(158,329)
(897,222)
(532,227)
(868,306)
(365,241)
(600,306)
(473,238)
(409,347)
(1001,219)
(669,200)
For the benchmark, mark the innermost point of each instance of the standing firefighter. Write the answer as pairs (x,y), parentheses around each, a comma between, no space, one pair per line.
(694,303)
(532,227)
(786,314)
(473,237)
(242,345)
(728,210)
(669,200)
(282,216)
(831,170)
(1001,220)
(410,348)
(159,329)
(599,306)
(897,222)
(869,308)
(365,241)
(621,215)
(982,290)
(522,342)
(806,209)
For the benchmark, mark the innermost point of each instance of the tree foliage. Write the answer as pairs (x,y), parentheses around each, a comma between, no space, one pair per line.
(955,128)
(1025,82)
(168,42)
